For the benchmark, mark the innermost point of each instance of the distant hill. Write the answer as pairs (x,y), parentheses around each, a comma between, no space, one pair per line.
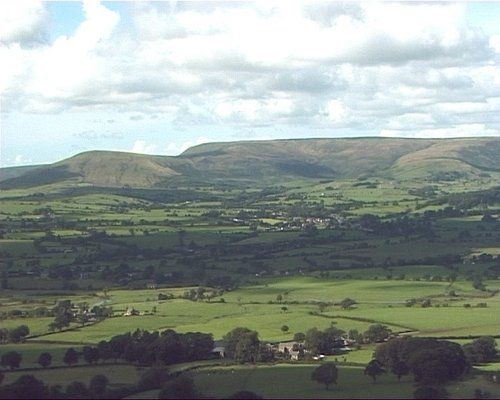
(13,172)
(274,161)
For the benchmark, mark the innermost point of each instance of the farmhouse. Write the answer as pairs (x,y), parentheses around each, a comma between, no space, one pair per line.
(219,349)
(131,312)
(292,349)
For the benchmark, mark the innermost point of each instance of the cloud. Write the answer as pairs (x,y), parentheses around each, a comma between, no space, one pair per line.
(370,66)
(140,146)
(174,148)
(21,160)
(68,72)
(24,22)
(93,135)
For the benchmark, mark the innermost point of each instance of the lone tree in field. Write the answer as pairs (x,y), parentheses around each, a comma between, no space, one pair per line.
(45,359)
(11,359)
(326,373)
(347,303)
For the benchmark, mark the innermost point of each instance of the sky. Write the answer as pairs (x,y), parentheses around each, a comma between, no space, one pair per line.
(158,77)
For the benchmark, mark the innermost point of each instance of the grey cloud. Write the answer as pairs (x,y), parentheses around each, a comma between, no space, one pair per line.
(93,135)
(310,80)
(326,12)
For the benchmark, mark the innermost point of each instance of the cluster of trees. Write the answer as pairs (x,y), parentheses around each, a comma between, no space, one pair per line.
(397,226)
(326,341)
(431,361)
(481,350)
(202,294)
(243,345)
(15,335)
(65,312)
(321,342)
(29,387)
(148,348)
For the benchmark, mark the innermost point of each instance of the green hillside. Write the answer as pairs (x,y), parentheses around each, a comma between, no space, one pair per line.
(277,160)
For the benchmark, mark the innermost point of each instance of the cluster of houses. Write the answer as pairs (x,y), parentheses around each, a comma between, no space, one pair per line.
(301,223)
(294,350)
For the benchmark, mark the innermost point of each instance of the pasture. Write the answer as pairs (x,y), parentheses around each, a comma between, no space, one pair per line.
(258,307)
(294,382)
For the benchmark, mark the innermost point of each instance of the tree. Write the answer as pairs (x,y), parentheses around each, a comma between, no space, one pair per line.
(438,362)
(90,354)
(326,373)
(77,389)
(18,334)
(71,356)
(314,341)
(374,369)
(347,303)
(11,359)
(431,361)
(285,328)
(299,337)
(181,387)
(400,368)
(355,335)
(45,359)
(63,315)
(377,333)
(153,378)
(24,387)
(242,344)
(97,385)
(480,350)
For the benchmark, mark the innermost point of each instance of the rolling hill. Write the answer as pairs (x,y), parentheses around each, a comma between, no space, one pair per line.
(273,161)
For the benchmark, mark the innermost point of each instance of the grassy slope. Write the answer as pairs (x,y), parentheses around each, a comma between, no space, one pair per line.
(274,160)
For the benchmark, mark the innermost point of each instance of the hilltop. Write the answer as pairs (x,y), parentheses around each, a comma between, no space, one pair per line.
(272,161)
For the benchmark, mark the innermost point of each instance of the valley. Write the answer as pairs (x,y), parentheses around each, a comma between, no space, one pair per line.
(277,237)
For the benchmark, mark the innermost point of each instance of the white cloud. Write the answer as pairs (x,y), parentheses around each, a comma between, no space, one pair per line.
(21,160)
(411,68)
(175,148)
(23,22)
(495,43)
(141,147)
(335,110)
(190,143)
(70,70)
